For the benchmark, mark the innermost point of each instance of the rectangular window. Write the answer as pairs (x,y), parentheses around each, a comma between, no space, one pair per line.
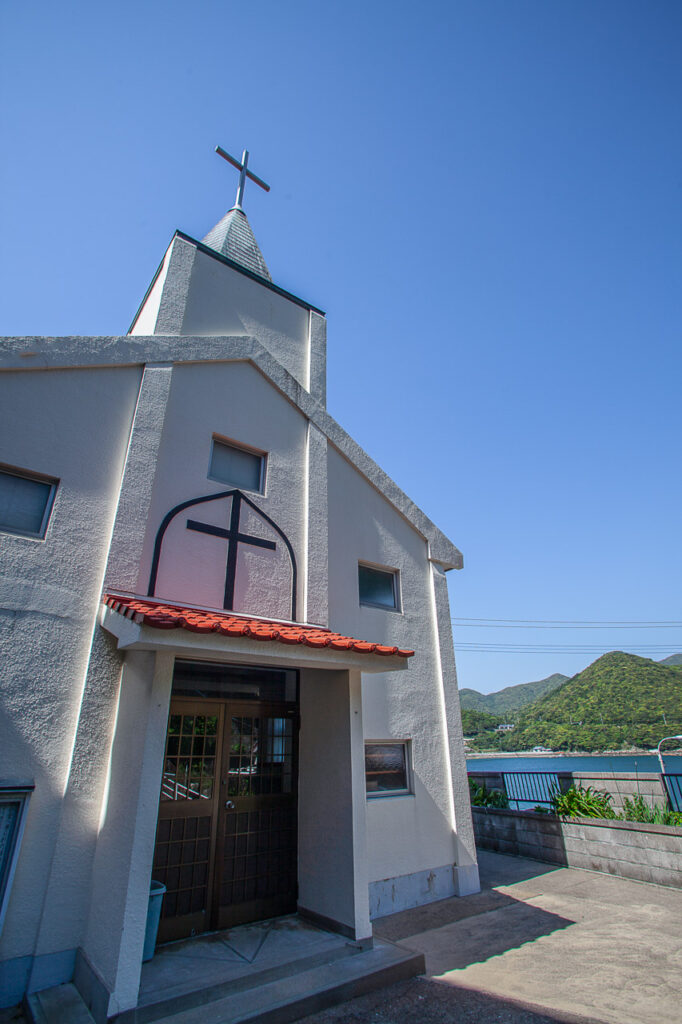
(25,502)
(237,466)
(378,588)
(387,771)
(13,807)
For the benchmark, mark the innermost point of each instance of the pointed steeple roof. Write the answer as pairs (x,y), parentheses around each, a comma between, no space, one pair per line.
(233,237)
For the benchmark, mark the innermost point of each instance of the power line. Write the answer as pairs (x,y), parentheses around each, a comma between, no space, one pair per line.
(568,623)
(556,646)
(506,626)
(491,649)
(567,647)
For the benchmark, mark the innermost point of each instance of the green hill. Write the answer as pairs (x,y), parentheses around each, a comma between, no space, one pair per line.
(674,659)
(619,701)
(511,698)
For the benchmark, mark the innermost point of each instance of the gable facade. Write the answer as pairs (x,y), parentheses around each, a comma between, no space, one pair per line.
(159,584)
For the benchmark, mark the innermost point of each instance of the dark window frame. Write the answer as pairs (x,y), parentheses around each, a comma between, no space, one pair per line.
(228,442)
(38,478)
(407,789)
(13,793)
(194,666)
(386,571)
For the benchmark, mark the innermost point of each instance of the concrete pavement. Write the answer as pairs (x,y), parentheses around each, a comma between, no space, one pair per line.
(538,944)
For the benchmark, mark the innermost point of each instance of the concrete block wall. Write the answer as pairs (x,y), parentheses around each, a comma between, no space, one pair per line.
(645,853)
(491,780)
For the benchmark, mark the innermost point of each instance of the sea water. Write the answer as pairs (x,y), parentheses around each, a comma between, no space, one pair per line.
(575,763)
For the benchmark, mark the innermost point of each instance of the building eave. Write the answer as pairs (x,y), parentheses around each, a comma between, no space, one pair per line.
(136,635)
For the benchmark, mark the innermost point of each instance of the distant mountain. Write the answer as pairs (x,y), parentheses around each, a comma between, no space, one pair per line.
(511,698)
(619,701)
(674,659)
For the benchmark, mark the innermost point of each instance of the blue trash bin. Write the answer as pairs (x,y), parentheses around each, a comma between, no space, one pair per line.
(156,893)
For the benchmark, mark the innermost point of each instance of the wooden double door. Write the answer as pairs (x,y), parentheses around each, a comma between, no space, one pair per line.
(226,841)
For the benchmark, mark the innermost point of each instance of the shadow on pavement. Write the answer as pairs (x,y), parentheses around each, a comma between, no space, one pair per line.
(460,932)
(503,869)
(478,938)
(437,915)
(423,1001)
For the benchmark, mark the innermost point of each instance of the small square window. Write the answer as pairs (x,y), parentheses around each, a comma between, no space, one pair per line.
(378,587)
(25,502)
(387,768)
(237,466)
(13,807)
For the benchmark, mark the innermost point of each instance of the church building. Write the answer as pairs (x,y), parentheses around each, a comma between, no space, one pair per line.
(227,657)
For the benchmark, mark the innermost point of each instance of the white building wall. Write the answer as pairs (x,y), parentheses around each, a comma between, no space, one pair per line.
(111,948)
(234,401)
(145,322)
(222,301)
(411,844)
(73,425)
(332,853)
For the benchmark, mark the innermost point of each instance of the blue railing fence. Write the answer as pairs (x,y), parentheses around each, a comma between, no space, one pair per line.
(672,785)
(530,789)
(525,790)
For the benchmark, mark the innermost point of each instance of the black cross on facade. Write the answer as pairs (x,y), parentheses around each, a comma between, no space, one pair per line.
(234,538)
(244,173)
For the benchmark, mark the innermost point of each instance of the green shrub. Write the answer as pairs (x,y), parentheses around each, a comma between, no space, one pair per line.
(577,802)
(481,796)
(646,814)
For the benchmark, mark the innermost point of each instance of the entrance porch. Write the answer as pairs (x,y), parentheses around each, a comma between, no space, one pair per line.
(281,969)
(322,866)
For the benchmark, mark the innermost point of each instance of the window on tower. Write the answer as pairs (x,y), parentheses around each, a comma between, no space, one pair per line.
(238,466)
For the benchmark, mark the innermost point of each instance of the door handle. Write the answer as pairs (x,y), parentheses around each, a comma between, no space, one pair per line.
(229,805)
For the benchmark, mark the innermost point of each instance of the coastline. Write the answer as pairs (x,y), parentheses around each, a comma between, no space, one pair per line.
(562,753)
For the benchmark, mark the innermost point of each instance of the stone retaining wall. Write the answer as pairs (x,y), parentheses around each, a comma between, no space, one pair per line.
(646,853)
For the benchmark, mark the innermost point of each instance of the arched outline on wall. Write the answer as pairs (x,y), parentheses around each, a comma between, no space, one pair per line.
(214,497)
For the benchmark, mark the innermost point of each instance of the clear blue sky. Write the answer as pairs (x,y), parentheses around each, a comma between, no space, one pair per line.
(484,196)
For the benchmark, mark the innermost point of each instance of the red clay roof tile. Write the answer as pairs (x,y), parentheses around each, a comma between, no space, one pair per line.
(160,615)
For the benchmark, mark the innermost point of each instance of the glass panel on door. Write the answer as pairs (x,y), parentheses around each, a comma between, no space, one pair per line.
(226,843)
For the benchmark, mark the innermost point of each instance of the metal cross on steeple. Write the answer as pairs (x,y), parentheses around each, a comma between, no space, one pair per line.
(243,173)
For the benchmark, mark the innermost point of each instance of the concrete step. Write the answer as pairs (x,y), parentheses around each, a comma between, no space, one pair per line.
(301,992)
(149,1012)
(59,1005)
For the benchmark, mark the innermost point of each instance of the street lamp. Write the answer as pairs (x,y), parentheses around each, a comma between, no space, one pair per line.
(658,750)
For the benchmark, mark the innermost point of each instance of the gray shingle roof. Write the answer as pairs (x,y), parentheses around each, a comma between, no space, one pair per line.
(233,237)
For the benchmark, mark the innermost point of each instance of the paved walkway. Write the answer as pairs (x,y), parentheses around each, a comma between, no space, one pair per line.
(537,945)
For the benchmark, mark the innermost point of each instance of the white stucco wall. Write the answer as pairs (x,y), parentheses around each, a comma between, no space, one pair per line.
(112,943)
(73,425)
(63,726)
(234,401)
(220,300)
(406,834)
(145,322)
(332,857)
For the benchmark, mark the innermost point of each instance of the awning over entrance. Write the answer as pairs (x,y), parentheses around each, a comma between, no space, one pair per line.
(159,615)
